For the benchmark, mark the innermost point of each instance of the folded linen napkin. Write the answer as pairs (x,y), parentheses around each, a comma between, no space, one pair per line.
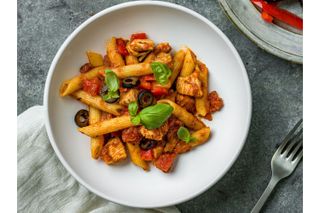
(44,185)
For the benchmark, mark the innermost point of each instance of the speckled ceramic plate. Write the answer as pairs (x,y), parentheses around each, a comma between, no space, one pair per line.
(273,38)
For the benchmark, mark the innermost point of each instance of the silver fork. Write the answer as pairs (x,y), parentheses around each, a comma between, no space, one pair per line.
(283,162)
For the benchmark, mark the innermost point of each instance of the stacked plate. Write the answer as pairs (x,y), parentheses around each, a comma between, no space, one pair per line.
(276,39)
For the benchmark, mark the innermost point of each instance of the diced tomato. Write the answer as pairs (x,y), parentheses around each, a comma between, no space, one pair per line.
(138,36)
(165,161)
(266,17)
(145,85)
(121,47)
(146,82)
(158,91)
(92,86)
(146,155)
(148,78)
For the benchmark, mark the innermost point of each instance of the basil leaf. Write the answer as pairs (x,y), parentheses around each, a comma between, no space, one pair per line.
(133,108)
(153,117)
(111,95)
(111,80)
(184,135)
(161,72)
(135,120)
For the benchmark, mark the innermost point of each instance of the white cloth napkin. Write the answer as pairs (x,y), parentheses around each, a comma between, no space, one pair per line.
(44,185)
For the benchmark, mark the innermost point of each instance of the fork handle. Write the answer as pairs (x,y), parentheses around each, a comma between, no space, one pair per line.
(272,183)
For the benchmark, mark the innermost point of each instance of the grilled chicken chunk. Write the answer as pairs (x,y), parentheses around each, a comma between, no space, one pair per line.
(154,134)
(113,152)
(189,85)
(128,97)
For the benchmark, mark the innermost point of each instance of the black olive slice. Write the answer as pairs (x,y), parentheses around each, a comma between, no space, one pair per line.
(147,144)
(130,82)
(145,98)
(82,118)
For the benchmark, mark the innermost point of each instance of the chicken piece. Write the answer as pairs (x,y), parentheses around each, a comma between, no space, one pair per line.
(113,152)
(215,102)
(165,162)
(186,102)
(127,97)
(131,135)
(165,58)
(155,134)
(162,47)
(189,85)
(138,46)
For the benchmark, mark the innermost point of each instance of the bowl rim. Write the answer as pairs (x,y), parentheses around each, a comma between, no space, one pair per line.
(119,7)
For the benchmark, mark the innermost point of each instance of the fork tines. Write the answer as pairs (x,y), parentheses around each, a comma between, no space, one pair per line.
(291,146)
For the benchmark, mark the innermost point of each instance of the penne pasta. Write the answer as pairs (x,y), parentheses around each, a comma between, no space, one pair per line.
(115,58)
(201,136)
(131,59)
(107,126)
(202,105)
(183,115)
(96,143)
(132,70)
(177,65)
(189,63)
(94,115)
(95,59)
(97,102)
(134,152)
(69,86)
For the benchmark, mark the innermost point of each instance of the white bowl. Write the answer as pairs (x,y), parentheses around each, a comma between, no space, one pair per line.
(195,171)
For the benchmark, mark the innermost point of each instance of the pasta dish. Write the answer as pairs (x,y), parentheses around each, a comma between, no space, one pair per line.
(143,100)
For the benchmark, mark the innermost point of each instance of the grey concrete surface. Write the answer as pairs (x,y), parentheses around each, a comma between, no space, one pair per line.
(276,85)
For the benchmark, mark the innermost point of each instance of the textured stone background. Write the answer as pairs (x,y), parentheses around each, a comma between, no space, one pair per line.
(276,85)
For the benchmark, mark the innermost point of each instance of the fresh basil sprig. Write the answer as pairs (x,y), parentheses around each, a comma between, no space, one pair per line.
(184,135)
(161,72)
(112,82)
(152,117)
